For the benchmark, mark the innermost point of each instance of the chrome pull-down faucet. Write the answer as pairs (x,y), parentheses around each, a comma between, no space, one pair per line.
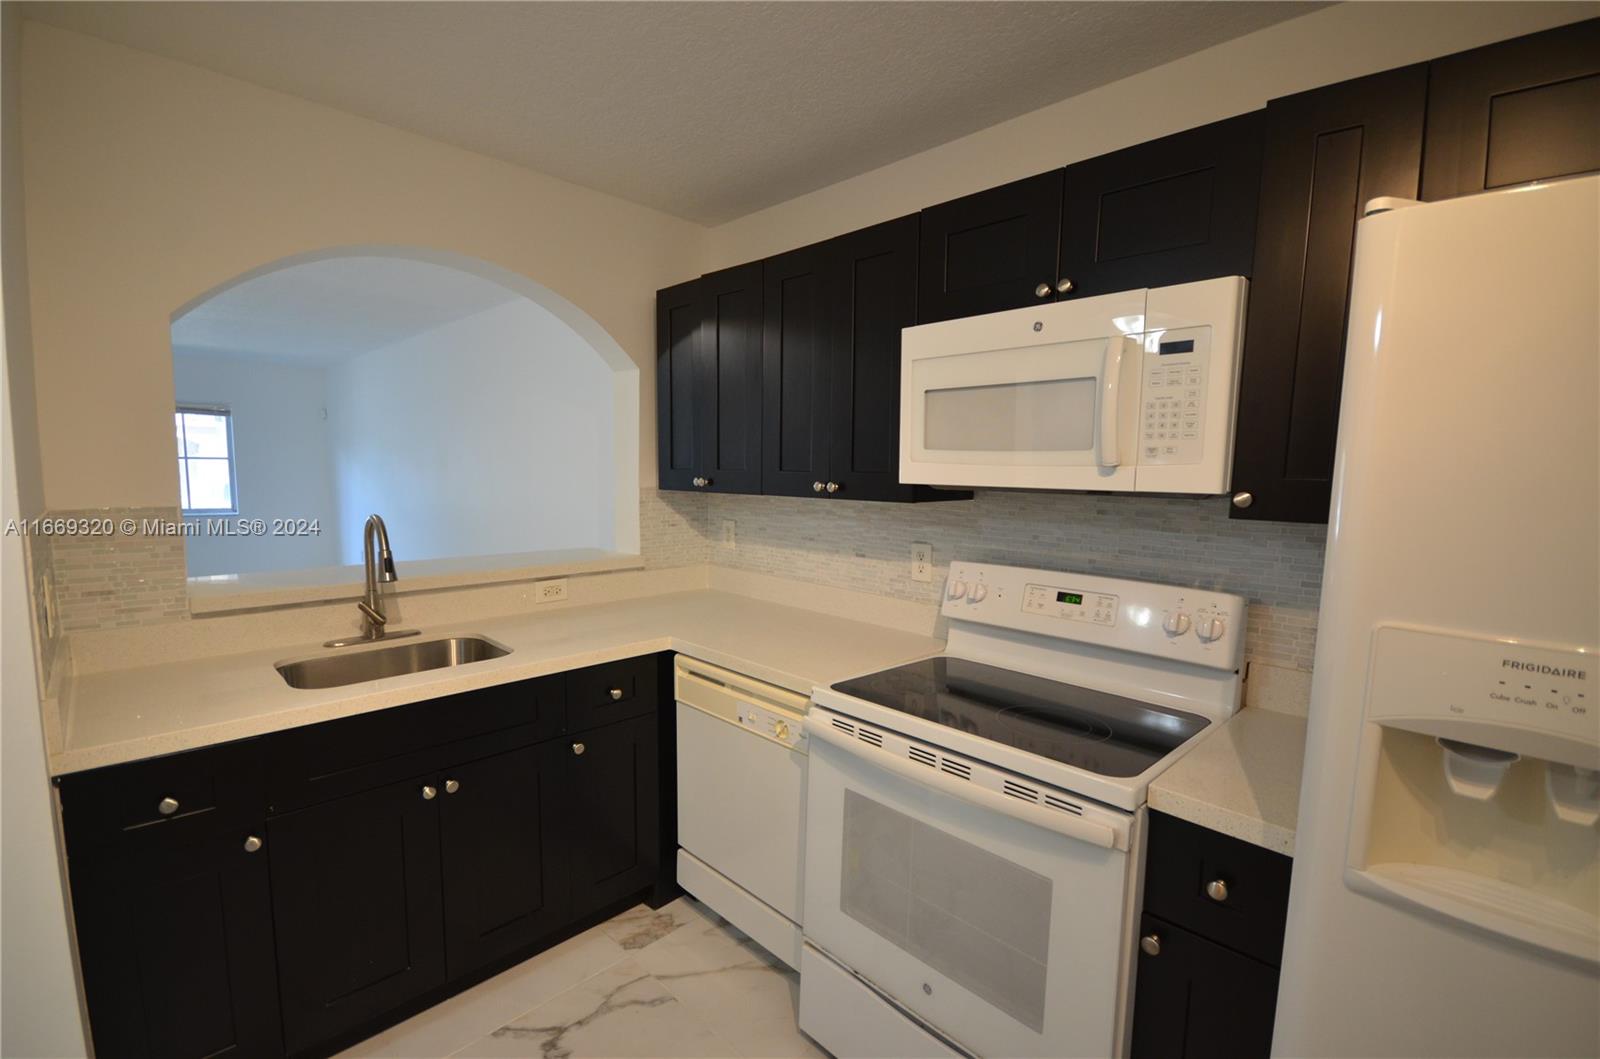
(380,568)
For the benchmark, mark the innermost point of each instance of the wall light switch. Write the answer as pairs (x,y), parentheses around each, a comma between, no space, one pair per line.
(922,562)
(728,539)
(551,591)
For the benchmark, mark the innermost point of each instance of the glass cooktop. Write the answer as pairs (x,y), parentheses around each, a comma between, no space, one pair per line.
(1092,730)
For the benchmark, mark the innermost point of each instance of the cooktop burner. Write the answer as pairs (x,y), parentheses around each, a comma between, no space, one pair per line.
(1092,730)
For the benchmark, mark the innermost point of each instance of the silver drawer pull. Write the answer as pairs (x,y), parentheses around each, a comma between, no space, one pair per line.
(251,844)
(451,786)
(1217,890)
(616,694)
(1150,944)
(577,748)
(429,793)
(167,806)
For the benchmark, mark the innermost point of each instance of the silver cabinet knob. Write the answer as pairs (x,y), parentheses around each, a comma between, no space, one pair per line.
(578,748)
(1065,286)
(1042,290)
(833,487)
(1242,500)
(251,844)
(429,793)
(451,786)
(1217,890)
(167,806)
(1150,944)
(616,694)
(816,487)
(699,481)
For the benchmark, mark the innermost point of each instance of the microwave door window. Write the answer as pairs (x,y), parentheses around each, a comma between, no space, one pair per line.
(1047,415)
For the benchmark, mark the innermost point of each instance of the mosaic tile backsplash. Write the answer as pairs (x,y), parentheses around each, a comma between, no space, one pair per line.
(131,580)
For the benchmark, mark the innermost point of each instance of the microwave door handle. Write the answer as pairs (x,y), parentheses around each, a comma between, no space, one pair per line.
(1111,401)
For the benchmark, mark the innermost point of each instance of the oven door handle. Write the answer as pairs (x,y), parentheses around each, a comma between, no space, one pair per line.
(1059,821)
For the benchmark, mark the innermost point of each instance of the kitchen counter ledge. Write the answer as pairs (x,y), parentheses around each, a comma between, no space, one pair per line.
(128,714)
(1242,780)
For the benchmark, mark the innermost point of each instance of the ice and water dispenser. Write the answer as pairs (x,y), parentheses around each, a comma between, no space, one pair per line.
(1478,787)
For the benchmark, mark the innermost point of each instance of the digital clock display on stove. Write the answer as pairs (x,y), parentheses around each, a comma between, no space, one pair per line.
(1074,598)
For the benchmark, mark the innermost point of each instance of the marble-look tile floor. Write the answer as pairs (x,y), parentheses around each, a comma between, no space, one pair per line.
(680,981)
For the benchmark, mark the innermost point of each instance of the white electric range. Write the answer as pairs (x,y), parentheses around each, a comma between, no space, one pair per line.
(975,820)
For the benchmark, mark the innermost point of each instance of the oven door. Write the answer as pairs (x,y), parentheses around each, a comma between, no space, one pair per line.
(1041,398)
(1007,937)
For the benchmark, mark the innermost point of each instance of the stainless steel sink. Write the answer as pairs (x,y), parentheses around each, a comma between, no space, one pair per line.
(333,671)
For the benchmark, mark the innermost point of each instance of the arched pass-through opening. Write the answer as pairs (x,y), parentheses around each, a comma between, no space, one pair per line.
(493,424)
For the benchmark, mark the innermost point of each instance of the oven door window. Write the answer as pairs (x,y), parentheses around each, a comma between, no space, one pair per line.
(975,917)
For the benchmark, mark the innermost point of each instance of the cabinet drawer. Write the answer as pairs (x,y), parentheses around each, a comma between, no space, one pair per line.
(1248,910)
(331,760)
(611,692)
(183,796)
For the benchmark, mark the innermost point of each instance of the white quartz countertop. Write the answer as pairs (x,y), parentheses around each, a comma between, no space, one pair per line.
(1243,779)
(127,714)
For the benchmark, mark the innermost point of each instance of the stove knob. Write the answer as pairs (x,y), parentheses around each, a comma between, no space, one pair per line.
(979,590)
(1177,623)
(781,730)
(1211,629)
(957,589)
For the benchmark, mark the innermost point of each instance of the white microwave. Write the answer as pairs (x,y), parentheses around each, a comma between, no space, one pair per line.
(1127,392)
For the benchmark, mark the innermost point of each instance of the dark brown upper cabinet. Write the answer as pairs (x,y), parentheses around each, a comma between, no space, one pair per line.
(708,382)
(1173,210)
(990,251)
(1519,110)
(796,371)
(874,296)
(1326,153)
(831,366)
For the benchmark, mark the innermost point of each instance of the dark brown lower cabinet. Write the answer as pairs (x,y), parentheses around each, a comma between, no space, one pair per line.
(1195,999)
(215,918)
(175,942)
(503,884)
(613,828)
(357,907)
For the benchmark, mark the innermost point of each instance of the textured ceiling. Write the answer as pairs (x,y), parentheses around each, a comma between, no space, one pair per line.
(707,111)
(324,311)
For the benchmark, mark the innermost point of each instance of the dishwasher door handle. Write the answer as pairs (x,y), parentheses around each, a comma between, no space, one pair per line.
(1059,821)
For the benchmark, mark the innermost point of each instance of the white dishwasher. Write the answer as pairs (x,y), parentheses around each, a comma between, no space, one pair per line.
(741,801)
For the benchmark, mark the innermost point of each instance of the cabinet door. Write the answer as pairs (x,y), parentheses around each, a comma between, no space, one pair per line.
(873,295)
(1326,153)
(990,251)
(1194,999)
(1174,210)
(176,950)
(679,312)
(728,421)
(1520,110)
(356,908)
(611,790)
(795,371)
(498,834)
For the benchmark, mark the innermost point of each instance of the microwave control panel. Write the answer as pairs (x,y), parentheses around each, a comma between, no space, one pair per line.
(1075,605)
(1172,410)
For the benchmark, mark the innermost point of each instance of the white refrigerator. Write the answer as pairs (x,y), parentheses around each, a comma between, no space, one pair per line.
(1446,890)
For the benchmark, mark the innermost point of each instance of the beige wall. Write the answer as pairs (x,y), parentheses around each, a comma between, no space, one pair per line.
(1328,45)
(151,182)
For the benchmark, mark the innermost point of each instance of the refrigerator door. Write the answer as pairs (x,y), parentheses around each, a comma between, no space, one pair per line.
(1466,500)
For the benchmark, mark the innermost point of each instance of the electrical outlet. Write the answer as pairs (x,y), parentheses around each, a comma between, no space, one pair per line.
(728,539)
(922,562)
(551,591)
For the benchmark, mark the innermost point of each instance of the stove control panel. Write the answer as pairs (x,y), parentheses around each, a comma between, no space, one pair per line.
(1072,604)
(1198,626)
